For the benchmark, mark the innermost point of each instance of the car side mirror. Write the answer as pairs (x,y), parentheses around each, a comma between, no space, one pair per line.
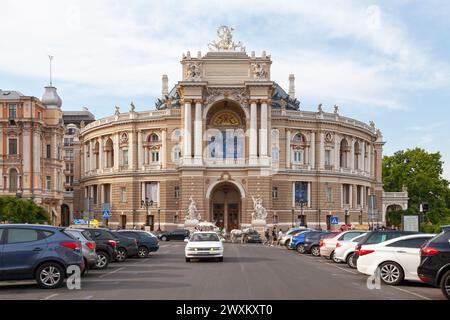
(186,240)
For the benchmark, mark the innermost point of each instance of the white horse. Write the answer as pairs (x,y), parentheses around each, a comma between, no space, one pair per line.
(235,234)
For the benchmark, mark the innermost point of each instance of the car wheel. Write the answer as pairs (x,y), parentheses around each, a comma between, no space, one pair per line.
(121,254)
(391,273)
(445,284)
(287,244)
(102,260)
(50,275)
(350,261)
(300,248)
(221,259)
(315,251)
(164,238)
(85,267)
(188,259)
(142,252)
(333,258)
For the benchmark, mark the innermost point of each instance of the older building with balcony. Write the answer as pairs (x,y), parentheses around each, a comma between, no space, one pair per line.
(224,135)
(31,160)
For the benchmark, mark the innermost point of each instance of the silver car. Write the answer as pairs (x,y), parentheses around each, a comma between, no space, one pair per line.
(287,237)
(88,246)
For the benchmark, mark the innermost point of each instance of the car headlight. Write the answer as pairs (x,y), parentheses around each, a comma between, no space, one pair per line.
(191,249)
(215,249)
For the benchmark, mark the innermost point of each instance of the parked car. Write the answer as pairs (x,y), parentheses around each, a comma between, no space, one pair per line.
(252,236)
(328,245)
(105,246)
(345,249)
(377,236)
(37,251)
(147,242)
(127,247)
(177,234)
(298,240)
(312,242)
(396,259)
(287,237)
(434,267)
(87,247)
(203,245)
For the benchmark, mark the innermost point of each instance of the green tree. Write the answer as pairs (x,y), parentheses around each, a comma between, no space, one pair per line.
(421,172)
(16,210)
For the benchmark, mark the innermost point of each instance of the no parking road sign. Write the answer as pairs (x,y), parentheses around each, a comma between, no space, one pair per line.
(334,220)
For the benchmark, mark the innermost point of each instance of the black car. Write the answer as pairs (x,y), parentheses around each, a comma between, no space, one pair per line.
(374,237)
(127,246)
(146,241)
(252,237)
(178,234)
(105,246)
(434,265)
(312,242)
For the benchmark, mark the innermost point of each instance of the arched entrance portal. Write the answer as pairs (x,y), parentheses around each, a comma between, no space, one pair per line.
(226,206)
(65,215)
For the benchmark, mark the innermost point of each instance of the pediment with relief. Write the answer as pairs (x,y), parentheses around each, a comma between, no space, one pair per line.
(226,119)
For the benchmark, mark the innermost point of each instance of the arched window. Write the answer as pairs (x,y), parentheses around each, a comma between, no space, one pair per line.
(96,154)
(298,146)
(357,154)
(153,137)
(343,154)
(176,153)
(109,153)
(13,180)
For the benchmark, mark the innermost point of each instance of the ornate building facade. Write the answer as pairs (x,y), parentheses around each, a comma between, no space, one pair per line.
(31,160)
(224,135)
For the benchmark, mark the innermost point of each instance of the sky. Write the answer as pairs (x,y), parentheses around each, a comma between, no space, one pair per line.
(386,61)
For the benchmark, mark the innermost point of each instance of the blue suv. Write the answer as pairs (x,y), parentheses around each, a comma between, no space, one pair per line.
(37,251)
(299,240)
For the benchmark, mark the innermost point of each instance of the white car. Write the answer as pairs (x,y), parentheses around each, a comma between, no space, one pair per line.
(328,245)
(397,259)
(204,245)
(345,250)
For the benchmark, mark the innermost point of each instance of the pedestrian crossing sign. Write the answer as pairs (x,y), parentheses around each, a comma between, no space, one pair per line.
(334,220)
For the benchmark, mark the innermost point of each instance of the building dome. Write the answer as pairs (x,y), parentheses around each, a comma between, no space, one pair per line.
(50,98)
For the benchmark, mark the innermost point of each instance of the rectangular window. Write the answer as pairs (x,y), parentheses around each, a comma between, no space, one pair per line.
(328,157)
(298,156)
(123,194)
(346,194)
(275,193)
(48,183)
(106,193)
(94,193)
(329,194)
(12,111)
(125,157)
(12,145)
(49,151)
(176,192)
(358,195)
(301,193)
(155,156)
(151,192)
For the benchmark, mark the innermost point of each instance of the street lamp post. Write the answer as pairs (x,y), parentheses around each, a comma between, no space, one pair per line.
(159,219)
(146,204)
(293,212)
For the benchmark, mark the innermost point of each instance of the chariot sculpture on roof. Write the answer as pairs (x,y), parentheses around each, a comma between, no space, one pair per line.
(224,41)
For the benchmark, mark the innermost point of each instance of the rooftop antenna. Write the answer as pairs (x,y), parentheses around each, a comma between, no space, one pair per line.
(50,61)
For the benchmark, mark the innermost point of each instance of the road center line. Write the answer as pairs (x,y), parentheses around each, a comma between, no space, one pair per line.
(109,273)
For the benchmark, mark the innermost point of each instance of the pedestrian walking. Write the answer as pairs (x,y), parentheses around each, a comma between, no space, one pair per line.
(280,235)
(267,235)
(274,237)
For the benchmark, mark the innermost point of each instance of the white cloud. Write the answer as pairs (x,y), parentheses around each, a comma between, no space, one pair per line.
(117,48)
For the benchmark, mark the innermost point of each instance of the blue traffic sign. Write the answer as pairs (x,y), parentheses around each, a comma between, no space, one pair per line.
(106,214)
(334,220)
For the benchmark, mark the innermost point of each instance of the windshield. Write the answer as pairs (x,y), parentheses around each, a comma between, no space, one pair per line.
(198,237)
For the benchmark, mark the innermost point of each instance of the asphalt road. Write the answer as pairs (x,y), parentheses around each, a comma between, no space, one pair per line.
(249,271)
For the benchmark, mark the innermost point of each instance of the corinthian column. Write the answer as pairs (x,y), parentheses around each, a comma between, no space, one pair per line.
(198,134)
(288,149)
(263,131)
(253,134)
(187,156)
